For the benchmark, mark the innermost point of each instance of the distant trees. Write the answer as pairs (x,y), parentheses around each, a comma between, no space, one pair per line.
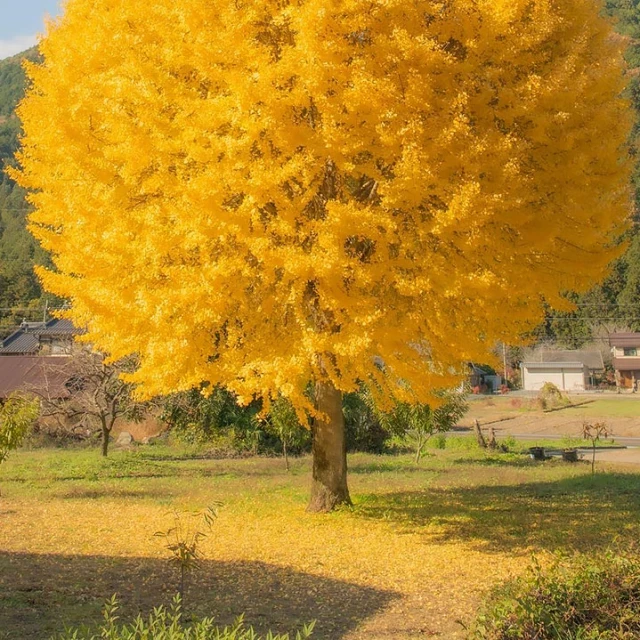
(19,286)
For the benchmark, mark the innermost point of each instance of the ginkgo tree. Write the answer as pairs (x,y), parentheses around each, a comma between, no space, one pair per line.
(271,196)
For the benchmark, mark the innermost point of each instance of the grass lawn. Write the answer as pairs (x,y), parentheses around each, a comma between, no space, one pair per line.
(414,554)
(618,407)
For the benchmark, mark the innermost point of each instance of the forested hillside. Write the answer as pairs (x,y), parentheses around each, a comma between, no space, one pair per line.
(19,288)
(615,304)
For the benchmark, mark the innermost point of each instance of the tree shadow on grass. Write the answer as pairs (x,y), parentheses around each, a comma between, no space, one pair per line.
(388,466)
(113,492)
(579,513)
(499,460)
(41,594)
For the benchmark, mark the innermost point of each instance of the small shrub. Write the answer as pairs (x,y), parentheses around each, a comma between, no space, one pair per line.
(516,403)
(182,541)
(509,443)
(168,625)
(439,441)
(17,416)
(578,598)
(363,430)
(550,397)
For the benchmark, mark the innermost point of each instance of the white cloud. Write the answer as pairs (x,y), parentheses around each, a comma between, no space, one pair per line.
(11,46)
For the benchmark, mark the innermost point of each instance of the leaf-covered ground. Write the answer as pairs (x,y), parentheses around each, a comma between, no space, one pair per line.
(413,557)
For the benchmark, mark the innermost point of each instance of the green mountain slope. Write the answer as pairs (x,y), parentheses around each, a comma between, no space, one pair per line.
(18,251)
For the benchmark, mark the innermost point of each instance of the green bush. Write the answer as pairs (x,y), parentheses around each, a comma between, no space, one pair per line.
(439,441)
(363,431)
(578,598)
(167,624)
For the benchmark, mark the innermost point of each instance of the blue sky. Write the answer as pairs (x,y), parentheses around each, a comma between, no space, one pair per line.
(20,22)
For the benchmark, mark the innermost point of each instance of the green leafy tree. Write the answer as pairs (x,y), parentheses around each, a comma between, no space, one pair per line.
(17,415)
(419,422)
(283,422)
(198,418)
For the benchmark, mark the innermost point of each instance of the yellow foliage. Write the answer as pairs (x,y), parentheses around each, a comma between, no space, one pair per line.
(257,194)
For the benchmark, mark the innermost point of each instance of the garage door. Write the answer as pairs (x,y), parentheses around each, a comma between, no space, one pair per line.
(534,380)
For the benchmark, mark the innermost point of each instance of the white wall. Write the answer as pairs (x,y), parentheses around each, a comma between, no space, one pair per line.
(569,379)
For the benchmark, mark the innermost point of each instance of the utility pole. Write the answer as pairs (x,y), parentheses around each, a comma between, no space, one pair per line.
(504,361)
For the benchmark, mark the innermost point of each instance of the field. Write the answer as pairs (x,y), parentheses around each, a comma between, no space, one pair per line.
(514,413)
(415,554)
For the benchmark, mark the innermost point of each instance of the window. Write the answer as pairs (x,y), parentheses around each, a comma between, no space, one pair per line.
(630,351)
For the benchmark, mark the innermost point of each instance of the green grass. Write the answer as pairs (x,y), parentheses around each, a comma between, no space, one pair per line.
(619,407)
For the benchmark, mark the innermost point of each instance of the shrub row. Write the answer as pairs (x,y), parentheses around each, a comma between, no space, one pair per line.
(582,598)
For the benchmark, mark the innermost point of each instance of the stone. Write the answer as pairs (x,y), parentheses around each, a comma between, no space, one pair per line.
(124,439)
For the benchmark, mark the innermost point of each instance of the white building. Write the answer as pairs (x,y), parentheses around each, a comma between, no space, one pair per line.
(567,376)
(568,369)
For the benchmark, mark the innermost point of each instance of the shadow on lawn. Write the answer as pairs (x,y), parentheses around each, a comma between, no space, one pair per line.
(40,594)
(509,460)
(579,513)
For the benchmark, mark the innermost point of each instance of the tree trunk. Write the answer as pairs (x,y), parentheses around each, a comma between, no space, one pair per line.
(419,449)
(329,483)
(286,457)
(105,441)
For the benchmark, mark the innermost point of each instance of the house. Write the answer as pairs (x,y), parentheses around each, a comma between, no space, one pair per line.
(51,338)
(33,373)
(483,378)
(625,348)
(569,370)
(31,358)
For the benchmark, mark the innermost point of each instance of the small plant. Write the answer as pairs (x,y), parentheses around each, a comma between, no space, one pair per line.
(439,441)
(167,624)
(578,598)
(183,540)
(594,432)
(17,415)
(419,422)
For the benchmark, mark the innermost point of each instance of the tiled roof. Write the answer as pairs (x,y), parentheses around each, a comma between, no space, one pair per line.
(20,342)
(58,328)
(626,364)
(26,340)
(33,373)
(593,359)
(624,340)
(553,365)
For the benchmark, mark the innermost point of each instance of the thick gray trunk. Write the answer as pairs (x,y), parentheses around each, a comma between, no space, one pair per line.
(329,484)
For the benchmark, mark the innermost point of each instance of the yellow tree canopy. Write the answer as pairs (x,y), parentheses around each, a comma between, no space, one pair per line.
(260,193)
